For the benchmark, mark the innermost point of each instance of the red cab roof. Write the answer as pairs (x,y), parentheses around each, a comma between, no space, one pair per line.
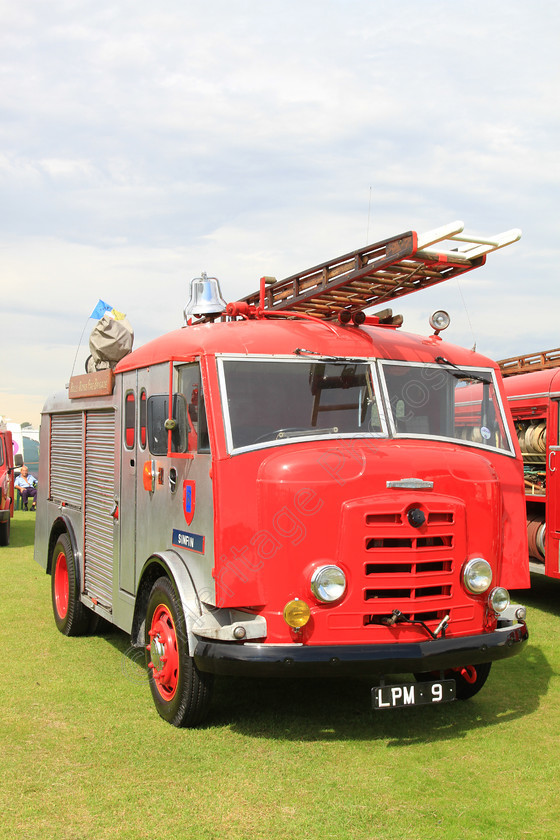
(285,336)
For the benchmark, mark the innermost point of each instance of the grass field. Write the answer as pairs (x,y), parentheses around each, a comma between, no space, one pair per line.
(85,755)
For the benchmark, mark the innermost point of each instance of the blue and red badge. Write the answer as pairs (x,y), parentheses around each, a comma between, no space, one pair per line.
(189,500)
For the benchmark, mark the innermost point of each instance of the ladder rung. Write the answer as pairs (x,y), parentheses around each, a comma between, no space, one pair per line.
(439,234)
(499,241)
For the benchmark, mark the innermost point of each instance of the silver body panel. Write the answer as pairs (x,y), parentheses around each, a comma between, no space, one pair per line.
(92,478)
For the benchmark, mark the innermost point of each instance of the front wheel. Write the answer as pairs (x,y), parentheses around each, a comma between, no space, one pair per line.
(468,681)
(70,615)
(180,691)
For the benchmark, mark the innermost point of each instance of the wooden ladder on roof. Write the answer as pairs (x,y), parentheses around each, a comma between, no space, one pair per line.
(381,272)
(530,362)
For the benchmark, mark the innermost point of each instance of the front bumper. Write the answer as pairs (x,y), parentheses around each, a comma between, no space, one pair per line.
(297,660)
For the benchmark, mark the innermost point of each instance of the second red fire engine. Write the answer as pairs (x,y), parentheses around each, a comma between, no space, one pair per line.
(532,386)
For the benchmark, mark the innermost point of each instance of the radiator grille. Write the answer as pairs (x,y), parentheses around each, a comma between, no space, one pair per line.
(408,569)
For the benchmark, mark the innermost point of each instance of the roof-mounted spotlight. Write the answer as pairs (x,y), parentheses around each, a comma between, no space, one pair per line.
(439,321)
(206,298)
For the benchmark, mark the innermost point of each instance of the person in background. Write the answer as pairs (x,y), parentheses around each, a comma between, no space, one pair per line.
(27,486)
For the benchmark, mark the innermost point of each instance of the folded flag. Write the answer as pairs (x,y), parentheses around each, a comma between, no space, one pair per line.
(103,308)
(100,309)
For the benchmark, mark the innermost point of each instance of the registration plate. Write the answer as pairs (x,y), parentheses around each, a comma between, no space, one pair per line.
(413,694)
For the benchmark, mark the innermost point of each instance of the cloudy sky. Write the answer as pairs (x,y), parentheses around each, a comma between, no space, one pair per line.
(141,144)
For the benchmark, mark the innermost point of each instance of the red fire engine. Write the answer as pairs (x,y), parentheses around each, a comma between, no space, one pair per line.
(6,485)
(286,486)
(532,386)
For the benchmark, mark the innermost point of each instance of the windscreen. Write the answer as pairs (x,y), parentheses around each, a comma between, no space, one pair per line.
(284,400)
(444,401)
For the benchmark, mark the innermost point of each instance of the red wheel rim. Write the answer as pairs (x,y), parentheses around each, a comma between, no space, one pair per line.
(164,652)
(61,587)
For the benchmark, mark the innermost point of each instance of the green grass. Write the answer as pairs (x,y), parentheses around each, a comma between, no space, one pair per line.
(85,755)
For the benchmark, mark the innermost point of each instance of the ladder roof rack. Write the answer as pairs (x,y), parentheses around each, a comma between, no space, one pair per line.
(530,362)
(380,272)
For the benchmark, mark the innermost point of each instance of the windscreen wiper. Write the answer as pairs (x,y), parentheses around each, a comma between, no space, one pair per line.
(288,433)
(301,351)
(463,374)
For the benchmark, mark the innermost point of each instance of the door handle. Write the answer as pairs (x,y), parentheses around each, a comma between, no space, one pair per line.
(550,467)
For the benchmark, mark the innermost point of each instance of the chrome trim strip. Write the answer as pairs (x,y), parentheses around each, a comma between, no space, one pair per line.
(411,484)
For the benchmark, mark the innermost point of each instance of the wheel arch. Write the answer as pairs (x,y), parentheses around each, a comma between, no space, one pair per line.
(63,525)
(166,564)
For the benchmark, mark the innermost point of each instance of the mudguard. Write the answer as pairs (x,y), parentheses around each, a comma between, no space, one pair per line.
(173,565)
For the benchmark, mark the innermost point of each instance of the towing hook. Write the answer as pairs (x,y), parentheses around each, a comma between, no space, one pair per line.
(468,673)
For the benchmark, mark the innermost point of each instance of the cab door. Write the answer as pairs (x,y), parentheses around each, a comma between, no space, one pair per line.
(127,501)
(189,482)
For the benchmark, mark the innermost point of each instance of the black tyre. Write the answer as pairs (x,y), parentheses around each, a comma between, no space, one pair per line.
(181,692)
(465,686)
(5,532)
(71,617)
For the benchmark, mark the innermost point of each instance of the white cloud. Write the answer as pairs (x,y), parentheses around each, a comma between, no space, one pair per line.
(142,145)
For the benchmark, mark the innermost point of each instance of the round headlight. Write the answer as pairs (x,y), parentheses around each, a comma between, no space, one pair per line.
(499,599)
(477,575)
(439,320)
(328,583)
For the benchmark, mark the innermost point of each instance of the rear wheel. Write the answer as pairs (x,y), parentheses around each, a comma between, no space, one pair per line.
(71,616)
(468,680)
(5,532)
(180,691)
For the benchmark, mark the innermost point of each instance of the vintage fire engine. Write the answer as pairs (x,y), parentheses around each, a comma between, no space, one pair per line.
(532,387)
(286,486)
(6,484)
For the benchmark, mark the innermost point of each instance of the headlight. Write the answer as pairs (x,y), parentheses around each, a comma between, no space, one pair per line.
(499,599)
(477,575)
(328,583)
(439,320)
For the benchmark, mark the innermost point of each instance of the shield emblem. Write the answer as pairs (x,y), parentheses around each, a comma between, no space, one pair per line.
(189,497)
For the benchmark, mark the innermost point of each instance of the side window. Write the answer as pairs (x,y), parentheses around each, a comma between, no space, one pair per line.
(160,423)
(143,419)
(190,387)
(2,442)
(129,420)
